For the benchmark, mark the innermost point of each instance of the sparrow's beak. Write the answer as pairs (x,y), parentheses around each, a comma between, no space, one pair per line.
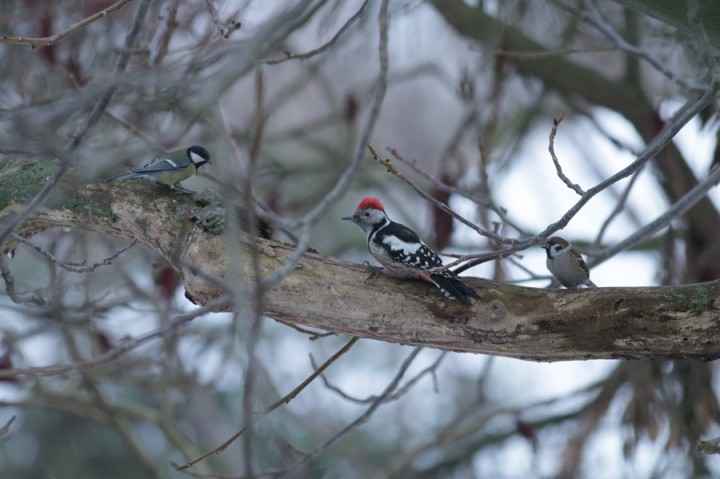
(545,245)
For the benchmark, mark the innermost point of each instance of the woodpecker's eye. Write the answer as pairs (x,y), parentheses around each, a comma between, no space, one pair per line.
(367,213)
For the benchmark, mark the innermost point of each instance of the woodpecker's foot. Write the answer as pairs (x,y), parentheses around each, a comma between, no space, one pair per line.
(372,267)
(374,270)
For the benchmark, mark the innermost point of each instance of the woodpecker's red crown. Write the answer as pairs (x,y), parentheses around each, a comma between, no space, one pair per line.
(370,203)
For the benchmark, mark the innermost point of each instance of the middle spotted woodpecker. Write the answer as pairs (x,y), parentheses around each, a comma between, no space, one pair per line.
(403,253)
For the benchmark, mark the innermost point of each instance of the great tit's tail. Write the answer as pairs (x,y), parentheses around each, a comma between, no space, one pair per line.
(124,176)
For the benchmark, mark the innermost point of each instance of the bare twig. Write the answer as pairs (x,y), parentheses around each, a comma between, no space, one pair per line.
(120,67)
(74,267)
(10,290)
(481,231)
(551,148)
(114,416)
(92,119)
(711,446)
(483,199)
(313,335)
(675,211)
(37,200)
(619,207)
(5,430)
(365,416)
(606,29)
(341,185)
(267,410)
(688,111)
(225,29)
(123,348)
(43,41)
(166,27)
(393,397)
(258,298)
(323,48)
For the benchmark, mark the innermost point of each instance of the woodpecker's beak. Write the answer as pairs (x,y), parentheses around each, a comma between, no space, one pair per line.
(348,218)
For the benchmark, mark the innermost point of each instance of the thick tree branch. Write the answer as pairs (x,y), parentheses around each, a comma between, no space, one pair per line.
(326,293)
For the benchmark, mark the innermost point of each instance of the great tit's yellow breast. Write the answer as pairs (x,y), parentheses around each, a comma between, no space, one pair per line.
(172,177)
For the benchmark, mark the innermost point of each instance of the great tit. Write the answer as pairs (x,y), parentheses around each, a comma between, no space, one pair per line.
(169,169)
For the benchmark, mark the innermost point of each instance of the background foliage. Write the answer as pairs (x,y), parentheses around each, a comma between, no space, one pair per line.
(286,96)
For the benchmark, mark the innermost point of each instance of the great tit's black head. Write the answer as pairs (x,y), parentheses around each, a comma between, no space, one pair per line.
(198,155)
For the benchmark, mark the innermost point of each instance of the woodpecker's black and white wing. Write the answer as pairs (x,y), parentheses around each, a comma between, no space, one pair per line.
(405,246)
(403,254)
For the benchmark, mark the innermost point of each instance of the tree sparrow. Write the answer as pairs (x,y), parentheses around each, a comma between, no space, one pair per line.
(566,264)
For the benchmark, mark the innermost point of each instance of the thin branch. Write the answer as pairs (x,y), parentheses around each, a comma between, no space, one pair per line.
(74,267)
(267,410)
(120,67)
(5,430)
(619,207)
(479,230)
(92,119)
(114,416)
(125,347)
(675,211)
(167,21)
(225,29)
(43,41)
(436,182)
(341,185)
(711,446)
(365,416)
(37,200)
(257,298)
(483,200)
(10,287)
(549,53)
(606,29)
(313,335)
(323,48)
(688,111)
(395,396)
(551,148)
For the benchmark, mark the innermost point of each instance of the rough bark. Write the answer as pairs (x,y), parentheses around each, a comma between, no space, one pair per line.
(326,293)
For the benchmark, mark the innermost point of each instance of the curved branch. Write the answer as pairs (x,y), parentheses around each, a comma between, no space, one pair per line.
(44,41)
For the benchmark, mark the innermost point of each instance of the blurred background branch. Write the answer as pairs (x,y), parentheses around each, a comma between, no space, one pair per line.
(101,344)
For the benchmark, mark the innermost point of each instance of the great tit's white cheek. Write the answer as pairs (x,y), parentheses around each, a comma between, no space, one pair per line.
(196,158)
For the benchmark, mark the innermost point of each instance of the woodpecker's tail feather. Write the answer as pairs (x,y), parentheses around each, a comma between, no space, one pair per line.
(454,288)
